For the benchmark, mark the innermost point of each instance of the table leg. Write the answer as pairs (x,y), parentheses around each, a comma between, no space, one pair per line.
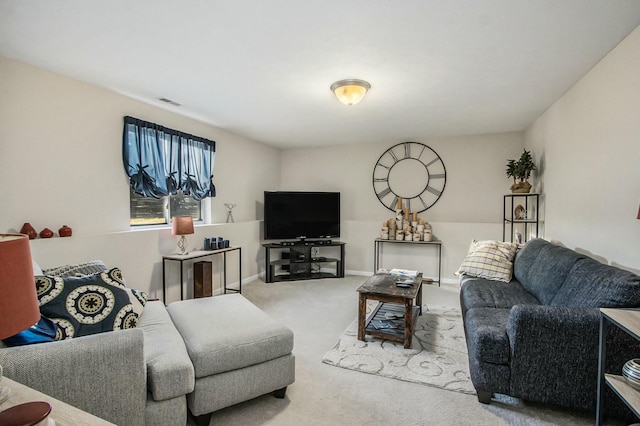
(440,263)
(419,299)
(267,265)
(376,255)
(224,271)
(181,282)
(362,312)
(408,323)
(602,357)
(164,285)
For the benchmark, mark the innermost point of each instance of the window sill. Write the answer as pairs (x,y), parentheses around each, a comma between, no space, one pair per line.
(134,228)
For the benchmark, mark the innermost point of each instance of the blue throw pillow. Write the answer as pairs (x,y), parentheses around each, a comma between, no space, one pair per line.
(43,331)
(92,304)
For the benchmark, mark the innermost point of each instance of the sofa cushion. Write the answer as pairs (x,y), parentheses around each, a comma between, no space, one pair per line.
(542,268)
(76,270)
(592,284)
(169,369)
(489,259)
(482,293)
(486,331)
(225,333)
(91,304)
(36,268)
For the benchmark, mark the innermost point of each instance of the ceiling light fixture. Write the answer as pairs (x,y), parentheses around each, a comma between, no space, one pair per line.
(350,92)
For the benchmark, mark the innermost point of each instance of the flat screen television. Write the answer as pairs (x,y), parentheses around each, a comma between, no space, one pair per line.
(300,215)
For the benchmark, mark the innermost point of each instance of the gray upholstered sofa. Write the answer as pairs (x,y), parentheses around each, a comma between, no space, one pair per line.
(536,337)
(207,354)
(129,377)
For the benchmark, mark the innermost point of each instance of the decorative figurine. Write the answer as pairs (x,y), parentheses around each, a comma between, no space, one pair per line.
(517,236)
(46,233)
(27,229)
(520,213)
(65,231)
(229,213)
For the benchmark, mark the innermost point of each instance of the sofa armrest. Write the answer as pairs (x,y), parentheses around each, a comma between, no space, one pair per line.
(554,354)
(103,374)
(530,325)
(169,369)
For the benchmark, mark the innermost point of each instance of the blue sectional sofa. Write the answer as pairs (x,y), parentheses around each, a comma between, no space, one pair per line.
(536,337)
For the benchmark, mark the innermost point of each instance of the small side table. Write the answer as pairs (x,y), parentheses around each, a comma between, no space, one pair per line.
(629,321)
(398,300)
(181,258)
(61,412)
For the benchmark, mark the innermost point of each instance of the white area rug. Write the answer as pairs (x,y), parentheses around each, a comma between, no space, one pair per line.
(438,356)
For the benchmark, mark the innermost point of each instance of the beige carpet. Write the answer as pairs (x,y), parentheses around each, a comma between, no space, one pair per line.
(437,357)
(318,311)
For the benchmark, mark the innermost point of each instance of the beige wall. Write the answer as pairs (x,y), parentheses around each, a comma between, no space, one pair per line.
(470,206)
(61,163)
(67,135)
(588,144)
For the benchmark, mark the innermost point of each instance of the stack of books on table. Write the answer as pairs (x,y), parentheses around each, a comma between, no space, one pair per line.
(405,278)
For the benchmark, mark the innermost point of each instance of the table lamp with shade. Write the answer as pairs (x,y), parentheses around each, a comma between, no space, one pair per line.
(18,299)
(21,322)
(182,225)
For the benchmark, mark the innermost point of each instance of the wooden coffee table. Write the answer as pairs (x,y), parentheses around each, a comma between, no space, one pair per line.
(393,300)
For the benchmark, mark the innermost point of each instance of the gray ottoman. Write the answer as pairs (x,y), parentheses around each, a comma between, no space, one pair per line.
(238,351)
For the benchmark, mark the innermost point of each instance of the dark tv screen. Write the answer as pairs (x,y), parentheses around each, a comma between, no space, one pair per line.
(292,215)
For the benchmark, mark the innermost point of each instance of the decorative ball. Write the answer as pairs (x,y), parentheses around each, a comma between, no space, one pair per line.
(27,229)
(65,231)
(631,372)
(46,233)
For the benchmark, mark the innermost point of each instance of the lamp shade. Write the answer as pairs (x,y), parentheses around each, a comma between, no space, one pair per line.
(182,225)
(18,299)
(350,92)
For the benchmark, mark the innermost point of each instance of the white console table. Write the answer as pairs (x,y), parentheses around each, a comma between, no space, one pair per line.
(197,254)
(377,250)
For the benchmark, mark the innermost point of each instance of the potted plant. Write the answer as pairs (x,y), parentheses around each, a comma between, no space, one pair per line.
(512,170)
(521,170)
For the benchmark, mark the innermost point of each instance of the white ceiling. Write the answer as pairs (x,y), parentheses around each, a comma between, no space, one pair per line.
(263,69)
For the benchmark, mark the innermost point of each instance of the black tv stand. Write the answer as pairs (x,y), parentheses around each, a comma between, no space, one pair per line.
(296,260)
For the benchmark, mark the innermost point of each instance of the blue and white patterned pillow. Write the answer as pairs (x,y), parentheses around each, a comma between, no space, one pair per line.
(91,304)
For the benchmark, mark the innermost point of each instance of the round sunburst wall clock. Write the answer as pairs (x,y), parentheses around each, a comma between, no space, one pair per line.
(411,171)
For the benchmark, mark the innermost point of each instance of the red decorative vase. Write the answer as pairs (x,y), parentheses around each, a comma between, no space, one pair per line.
(27,229)
(65,231)
(46,233)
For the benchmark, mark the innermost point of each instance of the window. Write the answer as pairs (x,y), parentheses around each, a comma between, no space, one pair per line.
(170,172)
(158,211)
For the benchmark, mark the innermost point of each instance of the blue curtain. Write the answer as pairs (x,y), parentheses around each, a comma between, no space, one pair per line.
(161,161)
